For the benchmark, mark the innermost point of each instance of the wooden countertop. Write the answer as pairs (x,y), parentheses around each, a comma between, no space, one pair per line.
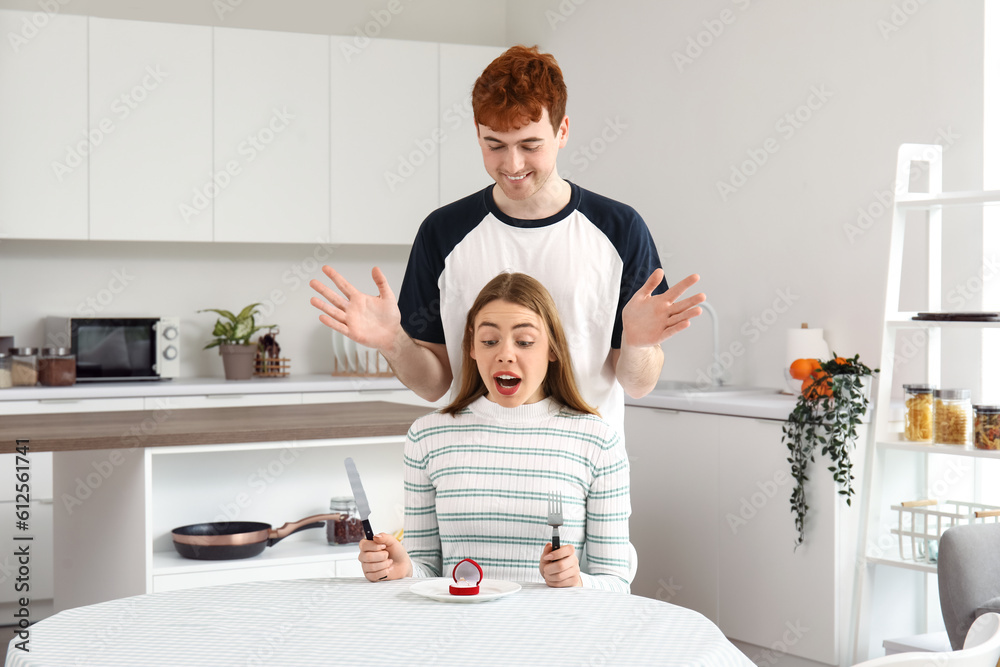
(206,426)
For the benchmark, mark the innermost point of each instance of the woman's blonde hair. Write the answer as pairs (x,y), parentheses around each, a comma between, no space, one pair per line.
(521,290)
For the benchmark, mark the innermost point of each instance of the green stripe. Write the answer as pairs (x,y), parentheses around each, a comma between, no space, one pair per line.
(510,472)
(490,539)
(610,562)
(540,496)
(502,516)
(610,516)
(597,539)
(476,448)
(417,436)
(420,511)
(419,488)
(617,492)
(424,532)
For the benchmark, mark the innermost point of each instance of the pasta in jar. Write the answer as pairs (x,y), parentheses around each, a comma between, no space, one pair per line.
(953,416)
(986,430)
(919,416)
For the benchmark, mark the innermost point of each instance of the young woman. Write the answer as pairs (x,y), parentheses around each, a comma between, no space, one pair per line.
(479,472)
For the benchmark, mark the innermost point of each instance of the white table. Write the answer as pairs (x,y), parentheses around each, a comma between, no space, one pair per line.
(352,621)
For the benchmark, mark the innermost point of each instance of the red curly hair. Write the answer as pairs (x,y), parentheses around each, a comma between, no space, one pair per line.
(512,91)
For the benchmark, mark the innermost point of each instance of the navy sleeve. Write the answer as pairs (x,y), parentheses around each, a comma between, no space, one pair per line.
(420,295)
(631,237)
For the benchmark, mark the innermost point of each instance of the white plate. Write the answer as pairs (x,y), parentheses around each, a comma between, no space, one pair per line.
(437,589)
(339,352)
(350,348)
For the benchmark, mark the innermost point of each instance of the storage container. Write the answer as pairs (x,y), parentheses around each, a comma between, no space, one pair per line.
(5,362)
(56,367)
(986,426)
(24,366)
(348,528)
(919,416)
(953,416)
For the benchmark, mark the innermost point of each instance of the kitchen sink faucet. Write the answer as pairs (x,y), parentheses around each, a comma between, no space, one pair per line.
(716,362)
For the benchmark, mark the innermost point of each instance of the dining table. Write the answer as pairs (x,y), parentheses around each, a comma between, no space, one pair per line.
(351,621)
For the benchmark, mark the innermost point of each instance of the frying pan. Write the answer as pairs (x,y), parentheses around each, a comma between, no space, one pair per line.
(228,540)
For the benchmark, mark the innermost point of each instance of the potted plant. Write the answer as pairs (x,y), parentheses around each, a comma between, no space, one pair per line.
(232,337)
(826,416)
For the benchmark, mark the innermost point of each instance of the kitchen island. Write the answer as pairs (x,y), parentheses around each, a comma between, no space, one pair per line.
(122,481)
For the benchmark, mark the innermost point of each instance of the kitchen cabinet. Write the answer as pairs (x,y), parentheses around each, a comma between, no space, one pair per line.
(385,147)
(271,136)
(462,171)
(43,126)
(674,462)
(713,532)
(152,178)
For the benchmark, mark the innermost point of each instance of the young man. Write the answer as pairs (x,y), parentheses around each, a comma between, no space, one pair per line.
(594,255)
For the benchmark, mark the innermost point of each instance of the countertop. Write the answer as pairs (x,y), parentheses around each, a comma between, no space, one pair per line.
(205,426)
(773,405)
(196,386)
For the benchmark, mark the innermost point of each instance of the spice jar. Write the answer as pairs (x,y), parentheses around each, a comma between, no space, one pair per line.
(57,367)
(5,379)
(919,417)
(24,366)
(953,416)
(986,429)
(347,529)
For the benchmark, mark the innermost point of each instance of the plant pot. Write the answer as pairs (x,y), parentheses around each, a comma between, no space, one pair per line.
(237,360)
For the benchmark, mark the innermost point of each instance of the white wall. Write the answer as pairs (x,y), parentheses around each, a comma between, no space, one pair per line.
(682,128)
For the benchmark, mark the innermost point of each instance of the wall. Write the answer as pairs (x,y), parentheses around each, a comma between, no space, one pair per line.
(670,100)
(45,278)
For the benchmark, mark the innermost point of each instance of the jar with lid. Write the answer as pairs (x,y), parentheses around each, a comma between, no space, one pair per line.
(24,366)
(347,529)
(986,429)
(56,367)
(953,416)
(5,363)
(919,417)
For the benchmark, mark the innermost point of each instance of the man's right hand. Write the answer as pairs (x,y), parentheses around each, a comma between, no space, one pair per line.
(373,321)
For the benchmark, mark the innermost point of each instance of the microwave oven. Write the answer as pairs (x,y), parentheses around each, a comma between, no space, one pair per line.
(111,349)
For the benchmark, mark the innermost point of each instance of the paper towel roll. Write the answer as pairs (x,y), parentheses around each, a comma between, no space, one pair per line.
(805,344)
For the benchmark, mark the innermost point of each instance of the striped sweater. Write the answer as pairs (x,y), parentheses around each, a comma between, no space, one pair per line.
(476,486)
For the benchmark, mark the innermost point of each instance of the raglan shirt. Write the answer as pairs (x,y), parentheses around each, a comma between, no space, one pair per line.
(592,257)
(476,485)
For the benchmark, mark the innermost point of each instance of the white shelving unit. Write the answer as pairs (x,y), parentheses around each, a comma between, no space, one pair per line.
(896,470)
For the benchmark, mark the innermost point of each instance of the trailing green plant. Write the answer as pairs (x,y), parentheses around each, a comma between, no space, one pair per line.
(235,329)
(826,416)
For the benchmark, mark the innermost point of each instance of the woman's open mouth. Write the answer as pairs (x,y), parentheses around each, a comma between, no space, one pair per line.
(506,383)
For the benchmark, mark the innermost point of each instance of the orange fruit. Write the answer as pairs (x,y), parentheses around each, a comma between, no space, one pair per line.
(840,360)
(817,386)
(801,368)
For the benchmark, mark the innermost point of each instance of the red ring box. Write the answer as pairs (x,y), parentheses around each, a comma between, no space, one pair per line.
(465,572)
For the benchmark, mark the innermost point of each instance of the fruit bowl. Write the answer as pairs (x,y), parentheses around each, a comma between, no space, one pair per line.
(793,386)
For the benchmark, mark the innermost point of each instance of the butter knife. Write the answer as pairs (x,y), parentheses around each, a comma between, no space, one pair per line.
(360,499)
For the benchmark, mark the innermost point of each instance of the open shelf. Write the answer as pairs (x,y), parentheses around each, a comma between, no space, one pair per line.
(930,448)
(292,553)
(906,321)
(918,201)
(906,564)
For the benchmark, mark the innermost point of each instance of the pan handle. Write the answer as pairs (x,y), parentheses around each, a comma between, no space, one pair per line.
(314,521)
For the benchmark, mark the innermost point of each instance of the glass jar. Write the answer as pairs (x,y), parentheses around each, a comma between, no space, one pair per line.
(57,367)
(987,426)
(24,366)
(347,529)
(953,416)
(5,363)
(919,417)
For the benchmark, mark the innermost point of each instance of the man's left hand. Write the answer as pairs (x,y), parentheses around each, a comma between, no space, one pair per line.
(648,320)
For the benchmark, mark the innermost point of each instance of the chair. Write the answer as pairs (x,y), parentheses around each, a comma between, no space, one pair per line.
(968,576)
(981,649)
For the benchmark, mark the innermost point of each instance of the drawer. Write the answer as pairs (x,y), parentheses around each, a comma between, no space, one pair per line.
(316,570)
(220,401)
(40,475)
(65,405)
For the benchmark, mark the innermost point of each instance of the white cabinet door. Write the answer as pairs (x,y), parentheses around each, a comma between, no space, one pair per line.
(40,553)
(272,136)
(674,458)
(385,139)
(151,179)
(462,171)
(769,594)
(43,126)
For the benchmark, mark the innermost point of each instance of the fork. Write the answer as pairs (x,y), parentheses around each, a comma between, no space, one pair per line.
(555,516)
